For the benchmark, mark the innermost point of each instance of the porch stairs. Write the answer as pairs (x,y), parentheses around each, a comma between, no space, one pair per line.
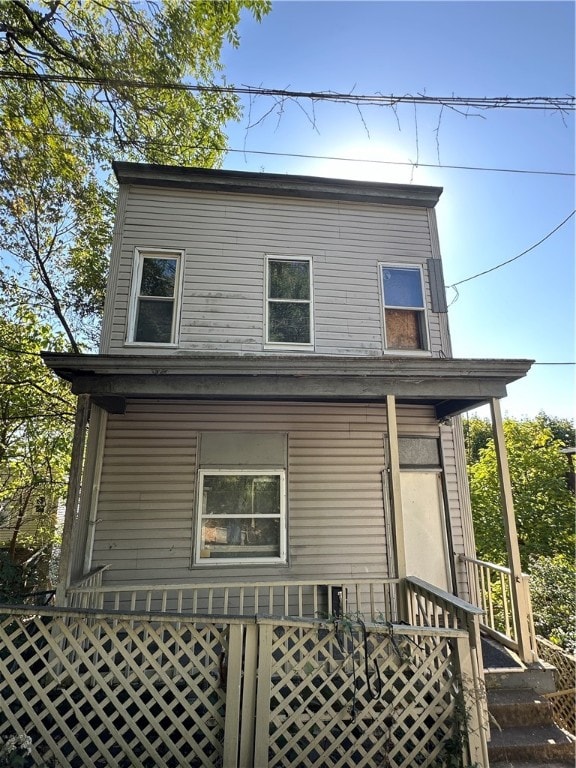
(522,728)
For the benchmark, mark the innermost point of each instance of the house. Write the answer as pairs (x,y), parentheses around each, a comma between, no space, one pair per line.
(275,375)
(274,424)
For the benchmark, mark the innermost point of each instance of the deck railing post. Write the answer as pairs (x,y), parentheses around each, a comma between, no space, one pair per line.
(520,605)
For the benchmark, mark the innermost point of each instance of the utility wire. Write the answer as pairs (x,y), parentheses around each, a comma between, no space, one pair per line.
(563,103)
(337,158)
(509,261)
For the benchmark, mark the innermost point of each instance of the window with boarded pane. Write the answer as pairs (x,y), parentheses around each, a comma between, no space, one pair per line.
(289,301)
(156,298)
(404,309)
(241,516)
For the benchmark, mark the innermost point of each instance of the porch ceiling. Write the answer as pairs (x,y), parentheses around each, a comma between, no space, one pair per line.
(450,385)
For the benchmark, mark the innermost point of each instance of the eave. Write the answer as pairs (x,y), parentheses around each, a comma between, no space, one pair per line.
(276,184)
(449,385)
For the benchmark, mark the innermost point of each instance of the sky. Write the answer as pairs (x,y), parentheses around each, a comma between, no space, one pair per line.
(453,48)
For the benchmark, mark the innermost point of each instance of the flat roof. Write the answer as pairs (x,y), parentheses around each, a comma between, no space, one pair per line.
(277,184)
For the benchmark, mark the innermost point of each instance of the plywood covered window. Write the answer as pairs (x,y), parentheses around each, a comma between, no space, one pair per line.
(404,308)
(155,298)
(289,301)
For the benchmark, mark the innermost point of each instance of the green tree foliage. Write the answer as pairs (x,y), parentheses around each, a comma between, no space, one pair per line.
(36,420)
(552,581)
(543,504)
(82,83)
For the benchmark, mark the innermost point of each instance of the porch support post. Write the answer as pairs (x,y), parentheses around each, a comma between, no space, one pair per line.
(73,495)
(397,512)
(521,606)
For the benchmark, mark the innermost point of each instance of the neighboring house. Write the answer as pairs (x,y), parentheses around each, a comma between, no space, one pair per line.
(274,395)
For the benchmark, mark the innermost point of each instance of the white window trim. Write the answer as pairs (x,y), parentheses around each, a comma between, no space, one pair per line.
(283,344)
(139,255)
(241,561)
(426,351)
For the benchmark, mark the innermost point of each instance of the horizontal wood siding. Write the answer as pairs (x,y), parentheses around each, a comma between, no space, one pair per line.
(225,238)
(336,456)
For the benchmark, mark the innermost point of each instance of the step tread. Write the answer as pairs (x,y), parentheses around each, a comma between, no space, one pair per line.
(529,735)
(514,696)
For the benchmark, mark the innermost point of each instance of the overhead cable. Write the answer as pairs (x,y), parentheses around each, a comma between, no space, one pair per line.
(562,103)
(509,261)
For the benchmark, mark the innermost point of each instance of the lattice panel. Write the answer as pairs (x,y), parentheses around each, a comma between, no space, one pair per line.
(563,704)
(360,699)
(113,692)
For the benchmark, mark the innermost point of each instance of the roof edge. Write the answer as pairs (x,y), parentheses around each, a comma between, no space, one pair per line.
(275,184)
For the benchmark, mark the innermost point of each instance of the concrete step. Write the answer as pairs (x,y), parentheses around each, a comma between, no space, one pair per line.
(537,677)
(531,764)
(518,707)
(539,744)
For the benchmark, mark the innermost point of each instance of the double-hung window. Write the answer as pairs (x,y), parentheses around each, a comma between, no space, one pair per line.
(242,516)
(404,308)
(289,301)
(155,297)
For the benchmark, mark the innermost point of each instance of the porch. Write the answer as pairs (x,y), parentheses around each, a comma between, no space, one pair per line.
(128,678)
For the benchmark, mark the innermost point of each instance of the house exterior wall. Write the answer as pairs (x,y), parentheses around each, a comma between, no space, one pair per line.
(145,509)
(225,238)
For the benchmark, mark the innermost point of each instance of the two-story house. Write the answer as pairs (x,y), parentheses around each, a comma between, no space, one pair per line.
(273,396)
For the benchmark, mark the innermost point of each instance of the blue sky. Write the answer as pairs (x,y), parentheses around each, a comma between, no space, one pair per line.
(460,48)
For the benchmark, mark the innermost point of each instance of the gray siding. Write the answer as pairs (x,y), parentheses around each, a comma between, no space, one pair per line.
(225,238)
(336,456)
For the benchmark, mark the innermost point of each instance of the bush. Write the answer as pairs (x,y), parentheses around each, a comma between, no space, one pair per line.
(553,589)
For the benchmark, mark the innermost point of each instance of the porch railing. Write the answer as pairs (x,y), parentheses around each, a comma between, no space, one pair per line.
(496,593)
(374,600)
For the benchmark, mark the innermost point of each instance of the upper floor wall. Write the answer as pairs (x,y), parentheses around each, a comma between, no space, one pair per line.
(218,261)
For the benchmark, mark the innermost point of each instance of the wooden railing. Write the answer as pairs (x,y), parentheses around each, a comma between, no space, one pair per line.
(496,595)
(374,600)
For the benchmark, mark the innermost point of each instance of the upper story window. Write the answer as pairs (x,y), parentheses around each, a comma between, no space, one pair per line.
(404,308)
(289,301)
(155,298)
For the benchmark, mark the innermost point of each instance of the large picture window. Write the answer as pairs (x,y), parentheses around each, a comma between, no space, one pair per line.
(289,301)
(241,516)
(155,298)
(404,308)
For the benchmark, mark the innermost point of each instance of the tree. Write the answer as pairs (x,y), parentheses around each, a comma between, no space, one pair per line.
(36,421)
(67,111)
(543,504)
(554,599)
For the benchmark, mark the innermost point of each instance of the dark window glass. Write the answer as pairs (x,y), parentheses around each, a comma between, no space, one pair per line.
(289,323)
(289,280)
(158,277)
(402,287)
(154,321)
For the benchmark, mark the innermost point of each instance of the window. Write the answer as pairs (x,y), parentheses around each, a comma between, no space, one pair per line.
(241,516)
(404,312)
(289,301)
(156,297)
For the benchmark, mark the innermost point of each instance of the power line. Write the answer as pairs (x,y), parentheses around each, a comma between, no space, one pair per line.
(562,103)
(554,363)
(410,164)
(509,261)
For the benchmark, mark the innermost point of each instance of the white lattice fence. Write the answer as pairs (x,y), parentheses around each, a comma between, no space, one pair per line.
(357,696)
(113,691)
(98,689)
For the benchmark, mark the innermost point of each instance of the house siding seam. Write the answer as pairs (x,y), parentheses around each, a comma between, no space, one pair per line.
(226,237)
(336,457)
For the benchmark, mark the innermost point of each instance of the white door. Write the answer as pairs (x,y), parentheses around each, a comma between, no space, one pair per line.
(425,528)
